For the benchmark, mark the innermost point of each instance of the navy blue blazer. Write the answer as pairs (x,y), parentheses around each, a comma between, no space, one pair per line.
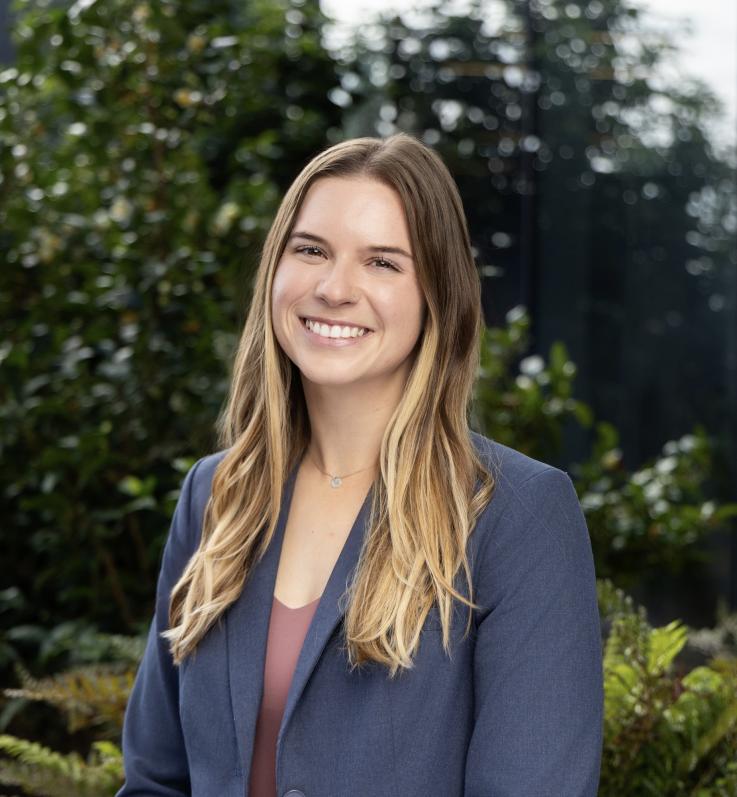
(516,711)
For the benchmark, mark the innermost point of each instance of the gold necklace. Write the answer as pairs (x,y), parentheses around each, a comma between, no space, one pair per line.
(336,481)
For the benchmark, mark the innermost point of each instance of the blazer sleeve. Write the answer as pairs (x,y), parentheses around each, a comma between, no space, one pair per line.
(154,756)
(538,678)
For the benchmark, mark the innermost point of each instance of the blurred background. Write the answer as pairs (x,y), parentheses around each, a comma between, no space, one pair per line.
(144,148)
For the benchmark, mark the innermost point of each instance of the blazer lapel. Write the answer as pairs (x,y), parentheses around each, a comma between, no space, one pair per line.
(247,623)
(247,626)
(330,610)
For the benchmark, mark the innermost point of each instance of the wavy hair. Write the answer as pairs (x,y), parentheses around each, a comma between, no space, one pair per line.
(431,486)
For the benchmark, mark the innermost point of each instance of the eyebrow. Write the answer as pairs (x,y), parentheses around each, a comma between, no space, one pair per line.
(374,248)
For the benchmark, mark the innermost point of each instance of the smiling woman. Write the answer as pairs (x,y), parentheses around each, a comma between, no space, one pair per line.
(309,635)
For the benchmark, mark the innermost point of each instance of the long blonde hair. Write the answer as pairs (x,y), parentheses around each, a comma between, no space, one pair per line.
(425,503)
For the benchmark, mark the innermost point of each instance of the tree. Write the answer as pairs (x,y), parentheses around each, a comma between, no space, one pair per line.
(144,149)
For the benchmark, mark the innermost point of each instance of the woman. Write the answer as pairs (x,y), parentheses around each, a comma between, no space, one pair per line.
(359,595)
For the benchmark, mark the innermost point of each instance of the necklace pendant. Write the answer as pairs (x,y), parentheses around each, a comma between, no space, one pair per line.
(336,481)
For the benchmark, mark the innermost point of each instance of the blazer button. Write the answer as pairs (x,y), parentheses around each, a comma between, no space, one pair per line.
(294,793)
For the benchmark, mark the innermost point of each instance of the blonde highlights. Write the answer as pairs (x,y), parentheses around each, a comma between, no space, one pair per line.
(432,484)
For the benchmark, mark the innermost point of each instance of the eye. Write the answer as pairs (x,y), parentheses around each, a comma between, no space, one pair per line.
(386,263)
(382,262)
(304,248)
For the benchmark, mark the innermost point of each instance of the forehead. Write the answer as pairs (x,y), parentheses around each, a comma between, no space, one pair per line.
(359,206)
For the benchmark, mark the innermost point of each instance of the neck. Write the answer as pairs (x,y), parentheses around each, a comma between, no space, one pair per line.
(347,424)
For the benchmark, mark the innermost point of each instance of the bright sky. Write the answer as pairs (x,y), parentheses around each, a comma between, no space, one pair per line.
(711,53)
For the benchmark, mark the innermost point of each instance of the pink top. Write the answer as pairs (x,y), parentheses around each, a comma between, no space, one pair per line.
(287,631)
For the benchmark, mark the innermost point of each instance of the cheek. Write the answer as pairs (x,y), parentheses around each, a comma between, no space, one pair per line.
(405,309)
(285,289)
(282,287)
(408,305)
(279,286)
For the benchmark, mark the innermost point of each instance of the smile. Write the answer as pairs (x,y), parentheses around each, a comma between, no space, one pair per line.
(336,331)
(335,336)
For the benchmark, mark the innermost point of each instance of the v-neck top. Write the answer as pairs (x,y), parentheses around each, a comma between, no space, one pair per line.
(287,631)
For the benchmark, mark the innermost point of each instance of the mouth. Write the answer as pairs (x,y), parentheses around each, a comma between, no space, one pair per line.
(355,331)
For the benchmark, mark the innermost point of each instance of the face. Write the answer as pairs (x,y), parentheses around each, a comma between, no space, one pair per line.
(349,262)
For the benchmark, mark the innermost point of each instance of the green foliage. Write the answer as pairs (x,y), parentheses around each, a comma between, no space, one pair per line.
(92,697)
(89,696)
(144,149)
(652,518)
(520,401)
(40,771)
(665,734)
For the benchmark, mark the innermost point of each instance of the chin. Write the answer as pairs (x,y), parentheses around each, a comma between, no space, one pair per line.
(324,379)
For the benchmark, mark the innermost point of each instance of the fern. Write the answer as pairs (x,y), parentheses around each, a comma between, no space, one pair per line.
(90,695)
(665,736)
(44,772)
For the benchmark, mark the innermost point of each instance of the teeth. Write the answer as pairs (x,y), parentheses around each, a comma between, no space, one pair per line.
(326,331)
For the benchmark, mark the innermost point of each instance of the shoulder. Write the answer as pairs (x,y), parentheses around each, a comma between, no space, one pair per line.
(519,480)
(523,485)
(534,507)
(507,465)
(188,517)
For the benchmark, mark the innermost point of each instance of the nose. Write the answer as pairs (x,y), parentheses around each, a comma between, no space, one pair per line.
(337,283)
